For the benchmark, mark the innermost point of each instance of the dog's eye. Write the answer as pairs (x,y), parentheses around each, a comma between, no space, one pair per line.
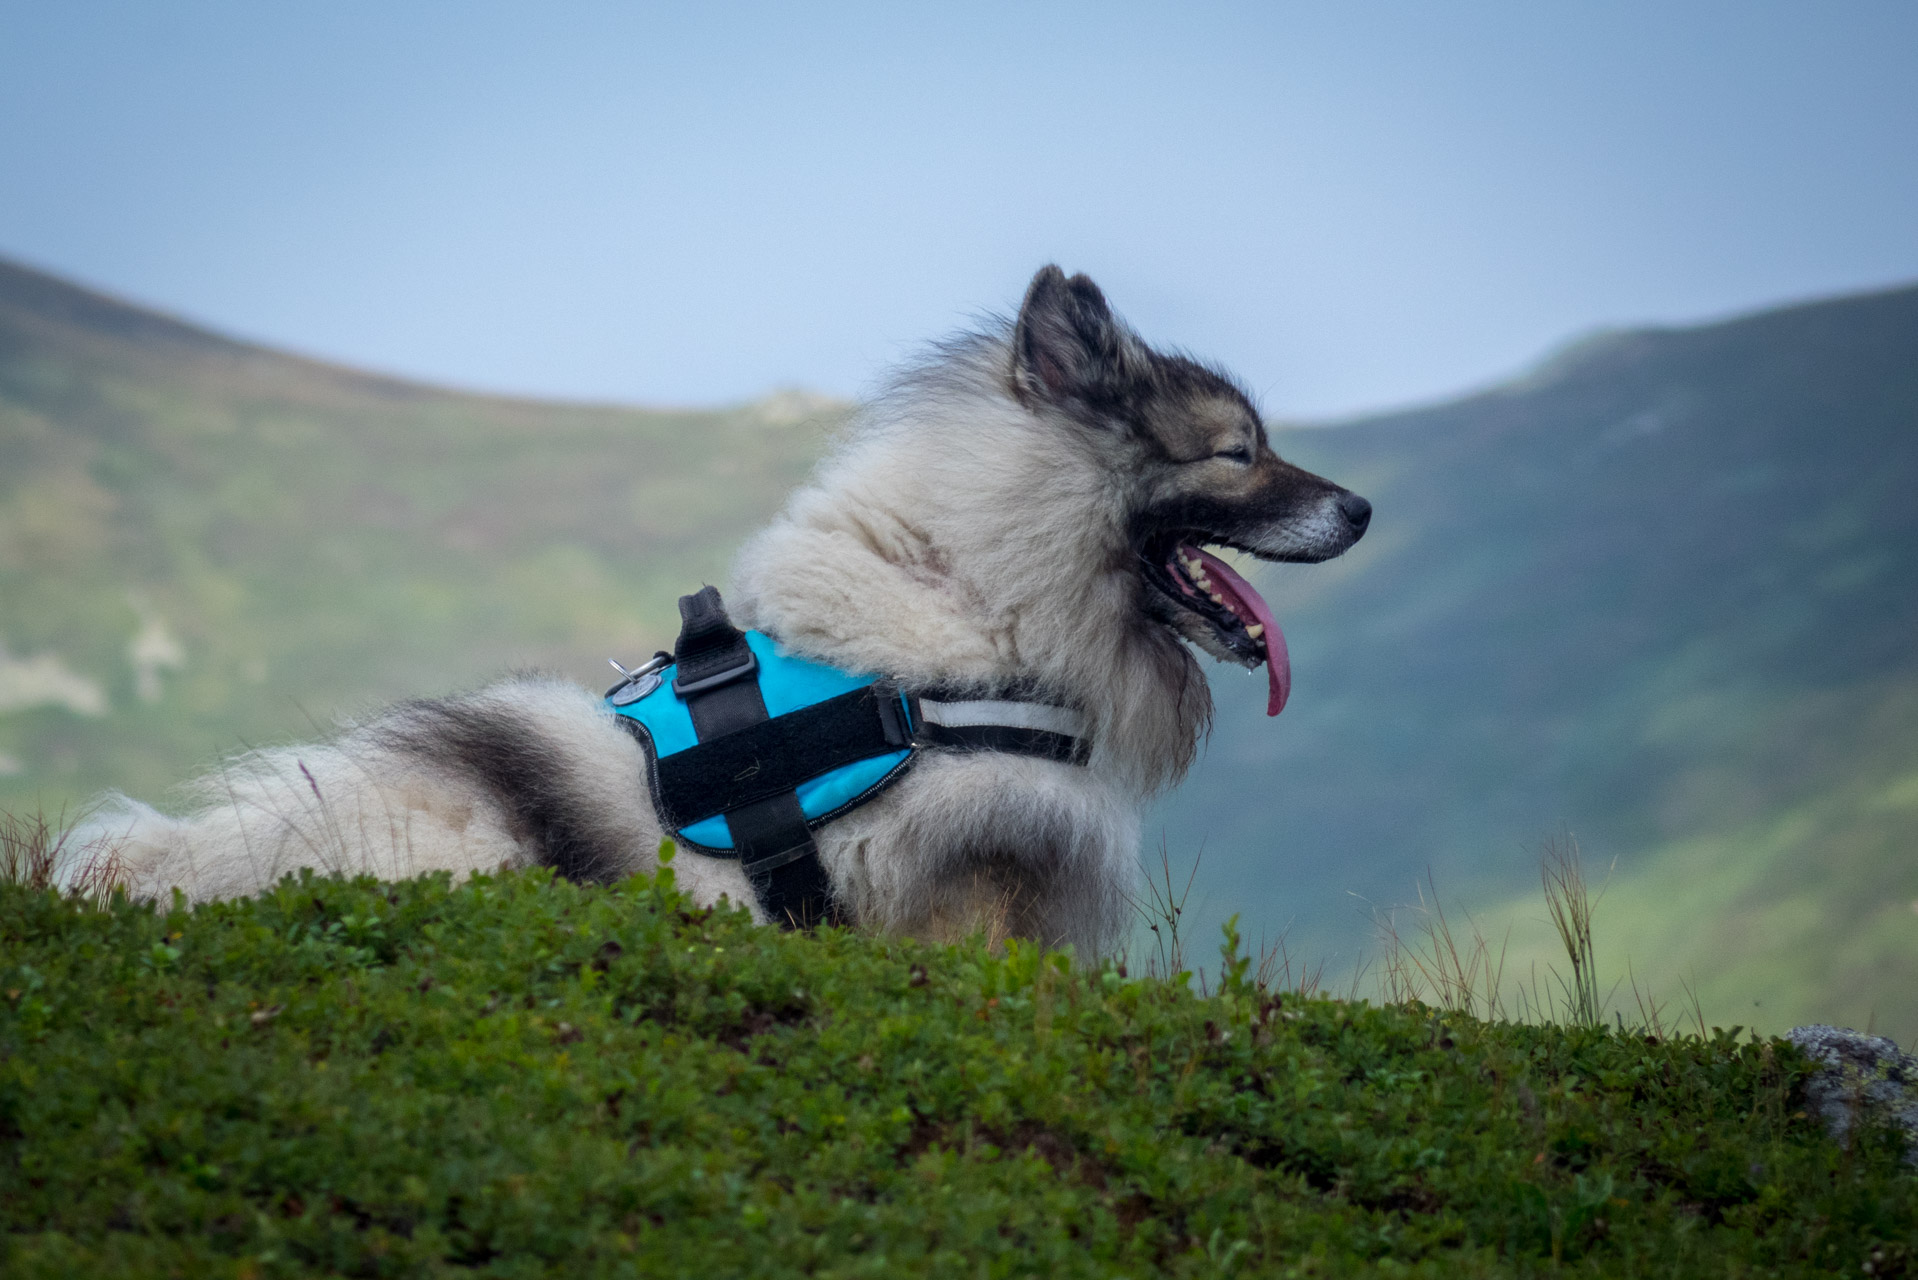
(1240,454)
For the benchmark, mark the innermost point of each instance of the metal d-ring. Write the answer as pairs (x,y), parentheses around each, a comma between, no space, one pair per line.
(639,681)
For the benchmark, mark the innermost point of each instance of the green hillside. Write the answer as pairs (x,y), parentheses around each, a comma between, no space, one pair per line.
(516,1077)
(1663,592)
(204,542)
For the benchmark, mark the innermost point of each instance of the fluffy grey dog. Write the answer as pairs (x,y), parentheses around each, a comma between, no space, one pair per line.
(1027,508)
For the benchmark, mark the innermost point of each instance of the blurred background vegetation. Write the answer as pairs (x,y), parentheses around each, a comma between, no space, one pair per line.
(1662,592)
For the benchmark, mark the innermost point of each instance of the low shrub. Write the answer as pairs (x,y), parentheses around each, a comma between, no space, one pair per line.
(520,1076)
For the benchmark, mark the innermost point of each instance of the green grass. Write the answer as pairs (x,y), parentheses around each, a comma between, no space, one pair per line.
(517,1076)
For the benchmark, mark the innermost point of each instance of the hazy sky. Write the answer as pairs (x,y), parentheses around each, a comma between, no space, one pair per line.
(1351,204)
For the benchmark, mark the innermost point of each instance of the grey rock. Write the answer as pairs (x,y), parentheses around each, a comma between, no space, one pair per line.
(1859,1075)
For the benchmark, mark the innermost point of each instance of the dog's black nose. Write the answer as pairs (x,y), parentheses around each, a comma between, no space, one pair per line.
(1358,512)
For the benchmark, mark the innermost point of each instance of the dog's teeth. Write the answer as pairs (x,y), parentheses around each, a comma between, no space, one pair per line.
(1216,597)
(1256,630)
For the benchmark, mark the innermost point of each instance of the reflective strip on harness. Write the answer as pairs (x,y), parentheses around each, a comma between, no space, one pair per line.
(1021,715)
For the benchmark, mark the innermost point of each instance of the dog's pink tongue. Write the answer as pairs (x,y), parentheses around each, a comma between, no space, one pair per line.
(1252,608)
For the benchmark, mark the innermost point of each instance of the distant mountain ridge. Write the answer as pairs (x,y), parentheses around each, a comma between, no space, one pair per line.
(1661,590)
(39,298)
(205,542)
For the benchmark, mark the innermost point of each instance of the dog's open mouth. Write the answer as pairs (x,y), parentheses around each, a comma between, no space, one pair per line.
(1240,621)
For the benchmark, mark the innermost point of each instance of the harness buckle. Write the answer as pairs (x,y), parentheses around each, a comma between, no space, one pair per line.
(739,671)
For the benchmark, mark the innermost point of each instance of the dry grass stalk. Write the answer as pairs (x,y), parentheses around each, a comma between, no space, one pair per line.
(1460,976)
(1162,907)
(1275,973)
(1698,1010)
(35,852)
(1572,904)
(1651,1012)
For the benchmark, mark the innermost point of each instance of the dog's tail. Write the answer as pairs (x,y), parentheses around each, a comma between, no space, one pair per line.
(262,813)
(118,843)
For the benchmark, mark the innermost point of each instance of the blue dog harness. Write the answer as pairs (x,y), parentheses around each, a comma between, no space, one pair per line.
(749,748)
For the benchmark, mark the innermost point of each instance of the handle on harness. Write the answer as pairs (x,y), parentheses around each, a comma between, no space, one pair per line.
(718,679)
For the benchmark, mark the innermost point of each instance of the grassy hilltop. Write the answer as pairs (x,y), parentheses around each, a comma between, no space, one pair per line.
(1662,591)
(518,1077)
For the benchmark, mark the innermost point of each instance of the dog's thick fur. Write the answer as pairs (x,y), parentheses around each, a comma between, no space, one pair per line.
(990,520)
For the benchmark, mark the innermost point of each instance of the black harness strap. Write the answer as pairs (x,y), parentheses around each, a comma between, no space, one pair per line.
(1014,739)
(717,679)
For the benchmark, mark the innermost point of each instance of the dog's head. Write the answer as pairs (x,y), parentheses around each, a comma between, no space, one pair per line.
(1201,471)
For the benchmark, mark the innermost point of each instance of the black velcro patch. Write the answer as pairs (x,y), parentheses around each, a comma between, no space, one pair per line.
(776,755)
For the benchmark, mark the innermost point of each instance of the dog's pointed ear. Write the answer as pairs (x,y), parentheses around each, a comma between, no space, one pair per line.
(1067,346)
